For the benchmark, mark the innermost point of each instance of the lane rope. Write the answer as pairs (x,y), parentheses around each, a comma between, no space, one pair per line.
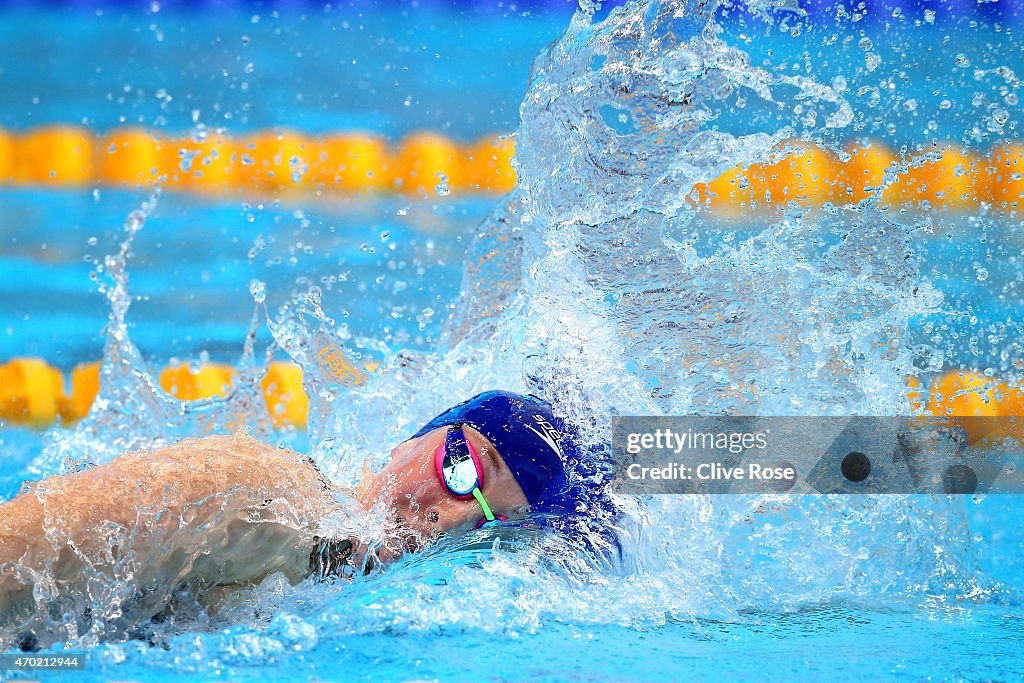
(944,176)
(36,394)
(264,162)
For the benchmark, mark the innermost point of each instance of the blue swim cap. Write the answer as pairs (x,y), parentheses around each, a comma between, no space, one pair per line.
(536,445)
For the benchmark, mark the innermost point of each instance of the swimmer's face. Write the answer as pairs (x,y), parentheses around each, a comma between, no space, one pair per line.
(422,506)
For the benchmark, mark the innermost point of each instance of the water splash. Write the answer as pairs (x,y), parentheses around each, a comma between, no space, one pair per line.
(594,284)
(131,410)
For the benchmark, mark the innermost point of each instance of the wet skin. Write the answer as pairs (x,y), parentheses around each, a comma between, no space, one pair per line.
(221,512)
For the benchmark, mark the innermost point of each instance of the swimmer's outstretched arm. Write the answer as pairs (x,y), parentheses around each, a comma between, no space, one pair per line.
(215,511)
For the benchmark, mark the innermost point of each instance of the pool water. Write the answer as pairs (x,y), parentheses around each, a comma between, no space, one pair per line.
(390,258)
(894,587)
(374,68)
(371,67)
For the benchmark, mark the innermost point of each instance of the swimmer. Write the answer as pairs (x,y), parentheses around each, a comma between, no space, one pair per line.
(218,513)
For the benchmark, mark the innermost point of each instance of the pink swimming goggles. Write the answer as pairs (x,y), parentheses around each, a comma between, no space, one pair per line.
(460,471)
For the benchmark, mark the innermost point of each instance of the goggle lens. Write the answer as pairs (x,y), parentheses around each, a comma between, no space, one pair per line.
(458,467)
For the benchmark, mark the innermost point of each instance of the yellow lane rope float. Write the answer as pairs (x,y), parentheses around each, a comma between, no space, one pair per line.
(943,176)
(264,162)
(33,393)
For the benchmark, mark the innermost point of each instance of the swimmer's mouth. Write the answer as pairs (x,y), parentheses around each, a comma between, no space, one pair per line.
(333,557)
(403,538)
(330,557)
(340,558)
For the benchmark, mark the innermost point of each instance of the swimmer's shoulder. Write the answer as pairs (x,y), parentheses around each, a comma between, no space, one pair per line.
(230,461)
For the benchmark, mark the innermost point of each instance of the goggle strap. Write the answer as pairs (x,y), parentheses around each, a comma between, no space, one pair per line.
(488,515)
